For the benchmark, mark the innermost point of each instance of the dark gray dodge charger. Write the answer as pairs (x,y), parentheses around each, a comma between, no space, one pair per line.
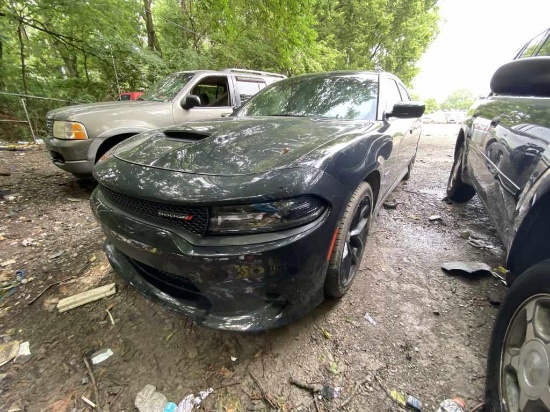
(248,222)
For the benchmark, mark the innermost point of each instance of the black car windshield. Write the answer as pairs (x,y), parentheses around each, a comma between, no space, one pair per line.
(167,88)
(336,96)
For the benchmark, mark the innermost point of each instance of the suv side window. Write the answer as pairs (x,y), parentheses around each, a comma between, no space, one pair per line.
(248,87)
(213,91)
(404,93)
(392,95)
(530,48)
(545,48)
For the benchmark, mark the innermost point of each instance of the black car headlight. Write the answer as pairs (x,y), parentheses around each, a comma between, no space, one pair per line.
(266,216)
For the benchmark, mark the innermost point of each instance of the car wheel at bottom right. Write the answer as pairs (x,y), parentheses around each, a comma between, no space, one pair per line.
(518,363)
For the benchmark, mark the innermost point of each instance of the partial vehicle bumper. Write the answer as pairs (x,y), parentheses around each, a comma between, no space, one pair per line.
(245,287)
(71,155)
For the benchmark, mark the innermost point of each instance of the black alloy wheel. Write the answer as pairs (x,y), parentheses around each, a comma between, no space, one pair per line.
(350,242)
(518,363)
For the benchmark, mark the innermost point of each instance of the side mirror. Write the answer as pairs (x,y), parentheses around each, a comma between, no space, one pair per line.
(190,101)
(407,110)
(523,77)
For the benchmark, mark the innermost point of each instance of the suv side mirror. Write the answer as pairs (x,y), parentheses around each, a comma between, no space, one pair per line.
(524,77)
(191,100)
(407,110)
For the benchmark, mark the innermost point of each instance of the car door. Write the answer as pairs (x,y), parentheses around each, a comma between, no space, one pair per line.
(409,143)
(216,95)
(395,129)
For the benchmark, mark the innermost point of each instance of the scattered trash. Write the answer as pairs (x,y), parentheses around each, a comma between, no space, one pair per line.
(9,198)
(406,401)
(233,359)
(28,242)
(72,199)
(20,274)
(8,351)
(92,259)
(434,218)
(101,356)
(370,319)
(480,244)
(467,268)
(329,392)
(110,316)
(57,254)
(89,402)
(150,400)
(326,333)
(390,204)
(452,405)
(86,297)
(24,353)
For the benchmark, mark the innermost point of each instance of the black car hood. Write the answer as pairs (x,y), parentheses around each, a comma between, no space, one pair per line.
(233,145)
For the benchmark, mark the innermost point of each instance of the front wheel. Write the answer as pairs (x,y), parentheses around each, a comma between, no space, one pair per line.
(457,190)
(518,364)
(350,242)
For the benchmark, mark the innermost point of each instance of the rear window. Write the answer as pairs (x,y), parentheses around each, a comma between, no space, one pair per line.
(531,48)
(248,88)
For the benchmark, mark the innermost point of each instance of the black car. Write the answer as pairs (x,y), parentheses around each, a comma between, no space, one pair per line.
(248,222)
(502,153)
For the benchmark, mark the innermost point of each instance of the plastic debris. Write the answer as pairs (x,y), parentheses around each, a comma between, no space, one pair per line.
(467,268)
(370,319)
(8,351)
(149,400)
(101,356)
(435,218)
(89,402)
(452,405)
(24,353)
(329,392)
(86,297)
(406,401)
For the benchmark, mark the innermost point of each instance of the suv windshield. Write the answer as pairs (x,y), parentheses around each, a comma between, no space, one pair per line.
(167,88)
(332,96)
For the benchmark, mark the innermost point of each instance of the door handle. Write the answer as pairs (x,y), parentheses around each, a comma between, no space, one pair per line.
(495,121)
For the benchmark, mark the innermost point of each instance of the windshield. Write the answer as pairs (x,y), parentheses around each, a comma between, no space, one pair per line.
(335,96)
(167,88)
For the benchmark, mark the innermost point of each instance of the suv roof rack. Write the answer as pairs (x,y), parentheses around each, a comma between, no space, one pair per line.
(258,72)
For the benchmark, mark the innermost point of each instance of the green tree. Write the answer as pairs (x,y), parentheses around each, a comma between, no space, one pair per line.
(431,105)
(458,100)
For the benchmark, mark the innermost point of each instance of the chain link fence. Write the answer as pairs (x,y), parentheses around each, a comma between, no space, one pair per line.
(23,117)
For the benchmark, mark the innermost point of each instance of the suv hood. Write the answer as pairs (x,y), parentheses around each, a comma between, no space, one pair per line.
(234,145)
(107,108)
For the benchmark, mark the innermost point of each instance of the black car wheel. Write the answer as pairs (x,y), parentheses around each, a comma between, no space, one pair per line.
(518,368)
(350,242)
(457,190)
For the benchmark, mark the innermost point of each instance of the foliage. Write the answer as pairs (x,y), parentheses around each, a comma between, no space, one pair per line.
(458,100)
(89,50)
(431,105)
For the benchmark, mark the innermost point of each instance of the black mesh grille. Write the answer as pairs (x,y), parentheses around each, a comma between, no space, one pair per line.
(193,219)
(49,127)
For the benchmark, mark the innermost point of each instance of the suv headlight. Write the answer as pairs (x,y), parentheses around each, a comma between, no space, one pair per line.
(69,130)
(265,217)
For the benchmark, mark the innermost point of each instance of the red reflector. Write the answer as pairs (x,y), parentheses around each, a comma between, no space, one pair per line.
(332,243)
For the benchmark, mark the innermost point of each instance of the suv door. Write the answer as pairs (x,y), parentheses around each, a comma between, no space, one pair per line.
(216,94)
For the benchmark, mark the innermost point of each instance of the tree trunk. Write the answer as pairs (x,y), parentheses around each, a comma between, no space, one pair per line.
(152,39)
(22,54)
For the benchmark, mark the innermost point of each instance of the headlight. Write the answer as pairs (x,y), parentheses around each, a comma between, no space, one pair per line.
(265,217)
(69,131)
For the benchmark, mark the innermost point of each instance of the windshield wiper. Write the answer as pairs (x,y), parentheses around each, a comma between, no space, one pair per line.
(289,115)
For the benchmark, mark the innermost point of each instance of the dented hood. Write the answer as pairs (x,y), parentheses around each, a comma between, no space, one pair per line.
(234,145)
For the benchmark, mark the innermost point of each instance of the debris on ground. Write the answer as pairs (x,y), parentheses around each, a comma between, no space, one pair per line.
(390,204)
(56,254)
(452,405)
(435,218)
(464,233)
(24,353)
(101,356)
(406,401)
(476,269)
(313,388)
(329,392)
(480,244)
(370,319)
(150,400)
(86,297)
(8,351)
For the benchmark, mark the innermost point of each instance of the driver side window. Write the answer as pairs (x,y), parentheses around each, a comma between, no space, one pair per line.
(392,95)
(213,92)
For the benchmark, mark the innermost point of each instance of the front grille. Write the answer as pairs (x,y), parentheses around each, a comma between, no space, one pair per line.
(193,219)
(49,127)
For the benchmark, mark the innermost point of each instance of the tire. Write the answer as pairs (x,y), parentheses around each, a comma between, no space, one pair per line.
(349,246)
(457,190)
(528,341)
(410,169)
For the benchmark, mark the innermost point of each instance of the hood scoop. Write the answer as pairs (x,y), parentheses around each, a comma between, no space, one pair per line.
(185,135)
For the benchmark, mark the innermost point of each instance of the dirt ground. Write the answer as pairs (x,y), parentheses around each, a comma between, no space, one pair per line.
(429,337)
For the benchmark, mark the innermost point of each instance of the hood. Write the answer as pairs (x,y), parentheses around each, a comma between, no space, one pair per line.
(234,145)
(108,108)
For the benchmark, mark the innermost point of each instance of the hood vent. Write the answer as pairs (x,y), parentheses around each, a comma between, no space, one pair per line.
(185,135)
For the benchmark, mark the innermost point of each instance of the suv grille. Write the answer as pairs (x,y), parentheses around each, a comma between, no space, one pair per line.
(193,219)
(49,127)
